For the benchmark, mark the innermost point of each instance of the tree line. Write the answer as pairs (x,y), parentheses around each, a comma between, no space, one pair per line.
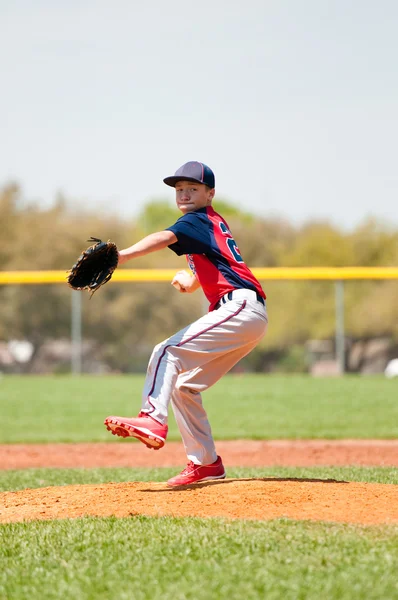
(125,320)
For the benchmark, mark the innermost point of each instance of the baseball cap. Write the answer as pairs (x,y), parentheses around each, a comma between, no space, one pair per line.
(192,171)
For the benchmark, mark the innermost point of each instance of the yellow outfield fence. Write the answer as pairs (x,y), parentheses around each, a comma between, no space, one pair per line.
(337,275)
(268,273)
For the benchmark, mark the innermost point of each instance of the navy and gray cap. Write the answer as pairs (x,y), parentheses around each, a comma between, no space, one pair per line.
(192,171)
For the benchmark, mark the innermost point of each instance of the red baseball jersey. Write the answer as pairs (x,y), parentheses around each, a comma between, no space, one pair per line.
(212,254)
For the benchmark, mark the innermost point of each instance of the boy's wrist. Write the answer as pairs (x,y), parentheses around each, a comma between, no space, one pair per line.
(123,257)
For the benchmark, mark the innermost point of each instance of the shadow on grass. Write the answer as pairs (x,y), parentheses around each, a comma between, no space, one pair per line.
(193,486)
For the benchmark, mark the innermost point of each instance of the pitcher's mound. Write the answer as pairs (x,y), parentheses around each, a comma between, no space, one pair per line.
(263,499)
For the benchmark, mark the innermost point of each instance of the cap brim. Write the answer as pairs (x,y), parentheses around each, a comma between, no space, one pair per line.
(173,180)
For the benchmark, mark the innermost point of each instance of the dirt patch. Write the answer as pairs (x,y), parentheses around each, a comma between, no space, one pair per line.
(244,453)
(262,499)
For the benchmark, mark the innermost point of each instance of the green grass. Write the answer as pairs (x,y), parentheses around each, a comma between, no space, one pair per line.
(34,478)
(180,559)
(55,409)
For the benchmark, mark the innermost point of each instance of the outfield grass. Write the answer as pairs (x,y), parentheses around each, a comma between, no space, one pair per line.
(36,478)
(180,559)
(66,409)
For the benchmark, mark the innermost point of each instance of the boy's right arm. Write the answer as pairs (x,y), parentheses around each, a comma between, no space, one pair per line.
(150,243)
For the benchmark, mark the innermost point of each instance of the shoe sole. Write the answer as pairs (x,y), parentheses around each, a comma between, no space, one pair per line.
(197,480)
(124,430)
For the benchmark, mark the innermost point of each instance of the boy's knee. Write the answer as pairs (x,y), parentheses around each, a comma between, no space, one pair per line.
(158,348)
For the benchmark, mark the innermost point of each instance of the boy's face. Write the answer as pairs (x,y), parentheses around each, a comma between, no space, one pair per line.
(192,196)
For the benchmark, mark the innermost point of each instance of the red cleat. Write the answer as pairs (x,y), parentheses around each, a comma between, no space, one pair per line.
(146,429)
(195,473)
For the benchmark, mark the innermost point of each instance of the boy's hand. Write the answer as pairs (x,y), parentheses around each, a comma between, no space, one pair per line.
(185,282)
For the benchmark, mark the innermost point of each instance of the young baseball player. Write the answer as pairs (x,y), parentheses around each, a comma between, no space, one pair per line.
(196,357)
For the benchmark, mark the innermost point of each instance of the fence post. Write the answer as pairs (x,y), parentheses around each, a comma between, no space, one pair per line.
(76,333)
(340,335)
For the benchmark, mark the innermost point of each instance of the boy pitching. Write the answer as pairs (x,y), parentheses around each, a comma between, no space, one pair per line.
(196,357)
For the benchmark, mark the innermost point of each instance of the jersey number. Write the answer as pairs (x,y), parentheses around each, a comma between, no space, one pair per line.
(233,248)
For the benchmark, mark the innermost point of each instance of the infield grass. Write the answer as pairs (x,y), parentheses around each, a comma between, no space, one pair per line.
(164,558)
(36,478)
(72,409)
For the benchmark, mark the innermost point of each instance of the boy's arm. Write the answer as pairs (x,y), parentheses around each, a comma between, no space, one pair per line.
(150,243)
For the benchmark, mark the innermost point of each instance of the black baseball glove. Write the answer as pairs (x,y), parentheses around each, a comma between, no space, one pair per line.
(94,267)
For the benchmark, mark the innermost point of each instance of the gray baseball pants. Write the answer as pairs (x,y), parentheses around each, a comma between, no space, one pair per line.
(194,359)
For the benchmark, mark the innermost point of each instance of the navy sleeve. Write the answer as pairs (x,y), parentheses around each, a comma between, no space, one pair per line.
(192,233)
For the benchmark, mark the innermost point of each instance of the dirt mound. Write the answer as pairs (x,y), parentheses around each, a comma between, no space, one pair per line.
(243,453)
(262,499)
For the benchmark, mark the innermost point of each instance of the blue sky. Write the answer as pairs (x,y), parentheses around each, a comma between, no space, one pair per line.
(293,104)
